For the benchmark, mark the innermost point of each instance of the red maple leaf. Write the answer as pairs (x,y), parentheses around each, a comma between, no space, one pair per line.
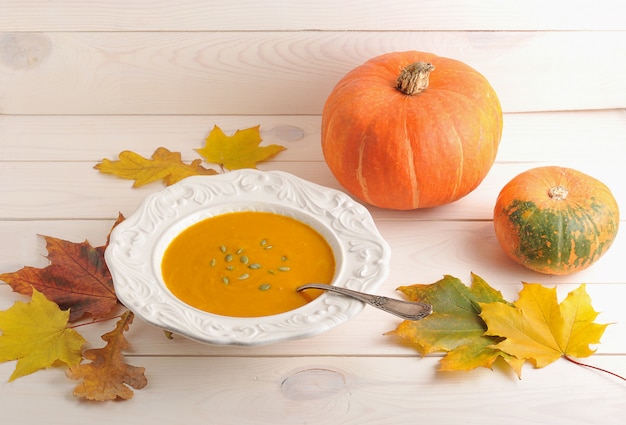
(77,278)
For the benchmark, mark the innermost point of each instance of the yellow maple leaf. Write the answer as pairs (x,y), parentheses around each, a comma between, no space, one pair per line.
(163,165)
(241,150)
(36,335)
(540,330)
(107,376)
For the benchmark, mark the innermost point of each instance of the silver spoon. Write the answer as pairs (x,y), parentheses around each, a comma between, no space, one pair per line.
(405,309)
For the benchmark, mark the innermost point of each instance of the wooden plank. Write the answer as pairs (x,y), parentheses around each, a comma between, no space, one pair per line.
(287,73)
(48,190)
(363,335)
(324,390)
(422,252)
(94,137)
(172,15)
(562,136)
(527,137)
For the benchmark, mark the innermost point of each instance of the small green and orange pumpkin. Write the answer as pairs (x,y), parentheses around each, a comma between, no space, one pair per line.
(409,130)
(555,220)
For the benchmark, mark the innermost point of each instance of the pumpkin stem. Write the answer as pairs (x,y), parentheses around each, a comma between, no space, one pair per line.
(558,193)
(414,78)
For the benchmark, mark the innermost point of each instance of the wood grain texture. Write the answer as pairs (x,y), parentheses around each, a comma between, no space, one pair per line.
(526,138)
(47,152)
(346,390)
(199,15)
(49,190)
(422,252)
(287,73)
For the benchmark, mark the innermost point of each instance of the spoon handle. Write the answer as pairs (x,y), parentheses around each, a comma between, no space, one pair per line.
(405,309)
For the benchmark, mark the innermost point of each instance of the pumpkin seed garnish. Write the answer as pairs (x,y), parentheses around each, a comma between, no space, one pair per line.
(244,259)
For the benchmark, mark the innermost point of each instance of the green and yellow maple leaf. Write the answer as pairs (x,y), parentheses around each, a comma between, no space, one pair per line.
(241,150)
(455,326)
(538,329)
(163,165)
(36,335)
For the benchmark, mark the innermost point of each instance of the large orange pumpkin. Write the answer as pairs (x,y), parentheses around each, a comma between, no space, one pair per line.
(409,130)
(555,220)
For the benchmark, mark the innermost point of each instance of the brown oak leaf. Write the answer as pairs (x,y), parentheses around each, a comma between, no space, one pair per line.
(77,278)
(108,376)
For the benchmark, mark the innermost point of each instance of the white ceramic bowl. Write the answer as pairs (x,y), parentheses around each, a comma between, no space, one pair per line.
(137,245)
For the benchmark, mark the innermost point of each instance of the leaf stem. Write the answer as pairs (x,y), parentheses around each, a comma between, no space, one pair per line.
(569,359)
(96,321)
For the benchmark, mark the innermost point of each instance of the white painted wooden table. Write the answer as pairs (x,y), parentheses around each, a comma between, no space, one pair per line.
(81,81)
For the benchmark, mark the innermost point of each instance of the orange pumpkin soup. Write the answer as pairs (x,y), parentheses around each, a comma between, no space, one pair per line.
(247,264)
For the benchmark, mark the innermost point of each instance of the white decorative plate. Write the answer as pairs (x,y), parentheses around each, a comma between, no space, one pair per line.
(137,245)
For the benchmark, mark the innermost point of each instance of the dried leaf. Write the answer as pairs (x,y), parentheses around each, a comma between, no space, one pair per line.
(120,218)
(77,279)
(540,330)
(475,326)
(163,165)
(108,376)
(36,335)
(241,150)
(455,326)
